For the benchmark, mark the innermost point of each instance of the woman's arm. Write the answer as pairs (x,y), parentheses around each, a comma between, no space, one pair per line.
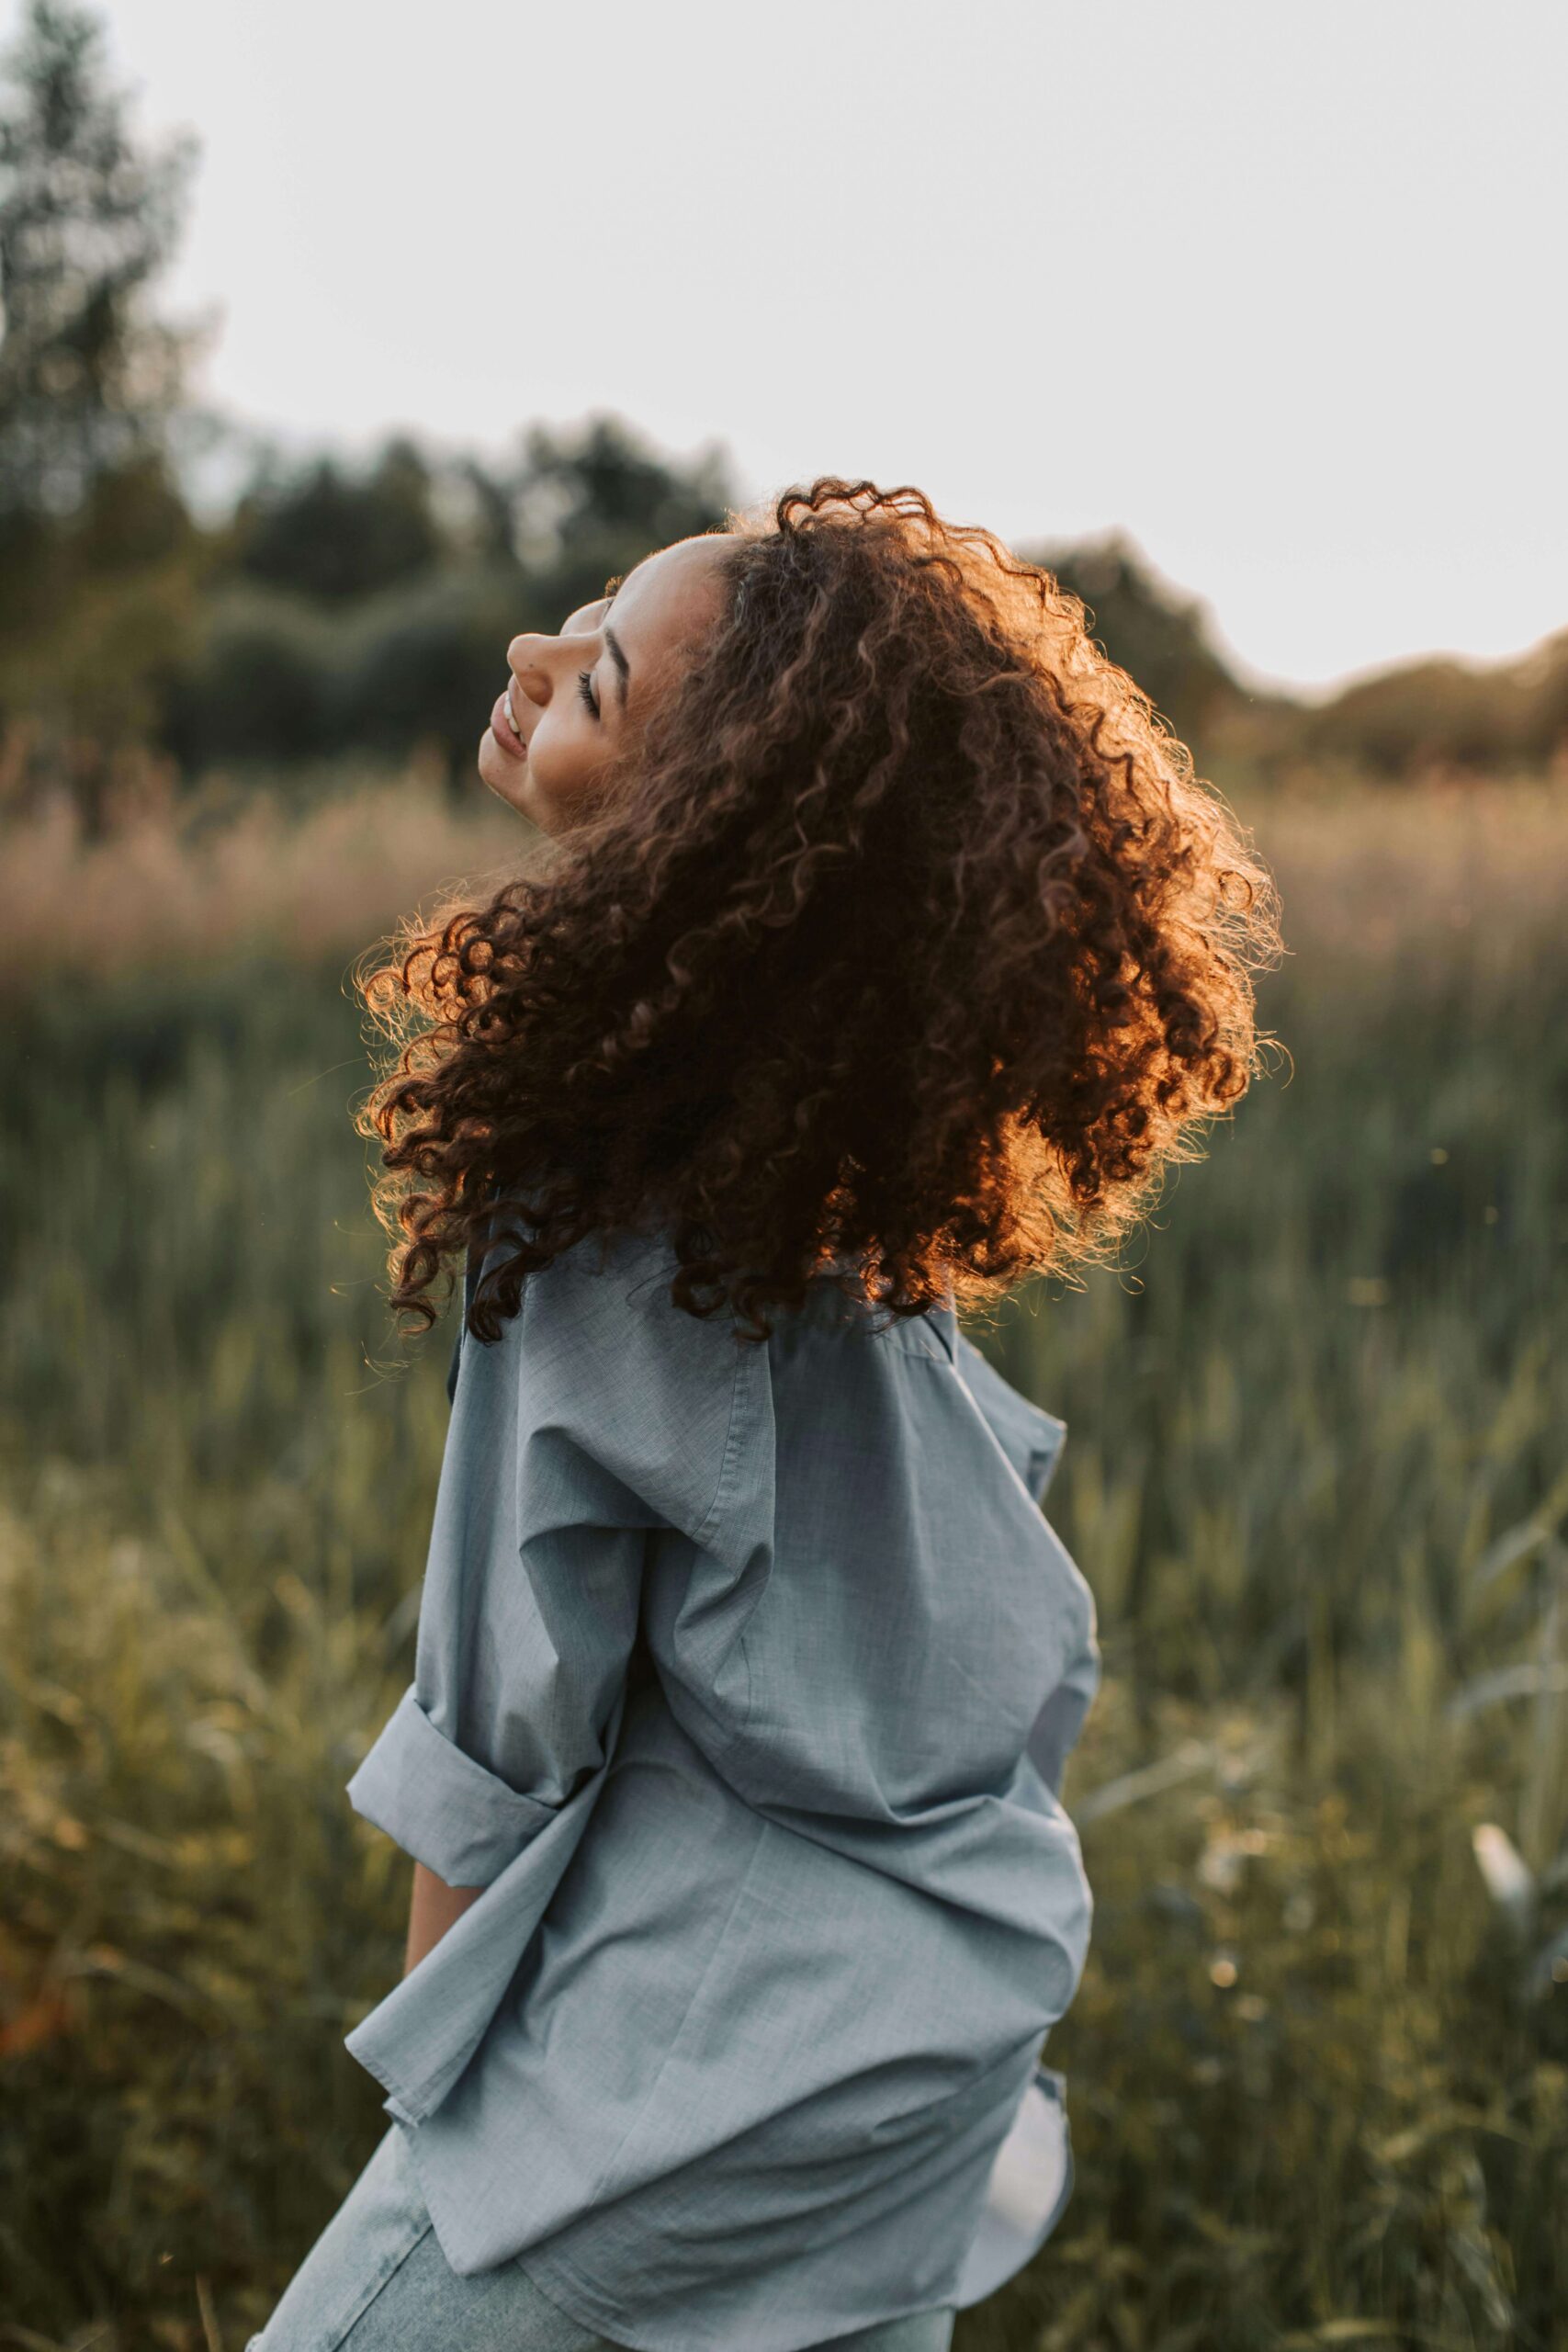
(567,1450)
(433,1910)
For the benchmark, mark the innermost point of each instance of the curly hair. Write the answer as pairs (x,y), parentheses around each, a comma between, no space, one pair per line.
(902,948)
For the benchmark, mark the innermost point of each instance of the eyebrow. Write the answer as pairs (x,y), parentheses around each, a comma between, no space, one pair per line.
(622,666)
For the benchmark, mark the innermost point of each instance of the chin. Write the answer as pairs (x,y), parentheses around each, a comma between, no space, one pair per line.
(507,778)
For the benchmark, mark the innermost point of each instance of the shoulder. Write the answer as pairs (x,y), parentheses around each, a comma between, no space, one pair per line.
(600,1359)
(604,1308)
(1029,1437)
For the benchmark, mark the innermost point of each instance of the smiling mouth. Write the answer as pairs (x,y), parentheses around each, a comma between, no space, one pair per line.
(507,735)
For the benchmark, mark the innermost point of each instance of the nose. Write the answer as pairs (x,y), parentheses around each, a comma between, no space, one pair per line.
(527,659)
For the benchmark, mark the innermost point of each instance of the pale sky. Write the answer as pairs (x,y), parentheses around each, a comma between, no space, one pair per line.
(1277,288)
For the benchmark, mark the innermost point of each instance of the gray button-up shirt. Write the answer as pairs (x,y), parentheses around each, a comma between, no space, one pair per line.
(744,1678)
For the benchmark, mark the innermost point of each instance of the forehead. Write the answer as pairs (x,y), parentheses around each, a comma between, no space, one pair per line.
(665,595)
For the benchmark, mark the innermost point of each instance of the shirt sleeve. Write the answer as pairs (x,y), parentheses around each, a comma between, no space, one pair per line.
(601,1414)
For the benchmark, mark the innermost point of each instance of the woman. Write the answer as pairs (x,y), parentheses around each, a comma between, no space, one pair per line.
(882,951)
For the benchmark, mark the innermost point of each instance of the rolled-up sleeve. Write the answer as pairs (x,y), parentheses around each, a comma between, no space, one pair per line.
(441,1807)
(602,1415)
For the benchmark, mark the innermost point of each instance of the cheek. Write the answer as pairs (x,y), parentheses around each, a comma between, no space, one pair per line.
(559,759)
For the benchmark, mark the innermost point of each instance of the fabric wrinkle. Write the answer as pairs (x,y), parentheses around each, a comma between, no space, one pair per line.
(745,1678)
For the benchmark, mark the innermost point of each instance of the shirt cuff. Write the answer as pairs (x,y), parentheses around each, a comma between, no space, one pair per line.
(448,1812)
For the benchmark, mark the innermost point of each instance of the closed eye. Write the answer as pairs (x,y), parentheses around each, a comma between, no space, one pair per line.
(585,690)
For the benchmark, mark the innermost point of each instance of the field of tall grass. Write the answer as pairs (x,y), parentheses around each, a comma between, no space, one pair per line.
(1317,1473)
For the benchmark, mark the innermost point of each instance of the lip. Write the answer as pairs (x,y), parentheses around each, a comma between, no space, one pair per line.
(500,727)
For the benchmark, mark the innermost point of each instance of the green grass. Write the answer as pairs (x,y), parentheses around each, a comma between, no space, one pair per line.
(1317,1473)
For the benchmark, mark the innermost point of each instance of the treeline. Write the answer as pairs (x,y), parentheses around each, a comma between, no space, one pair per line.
(1414,721)
(335,608)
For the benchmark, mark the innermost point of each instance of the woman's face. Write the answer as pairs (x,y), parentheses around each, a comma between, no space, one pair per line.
(574,699)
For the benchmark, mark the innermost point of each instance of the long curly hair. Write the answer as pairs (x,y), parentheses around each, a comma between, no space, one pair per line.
(902,948)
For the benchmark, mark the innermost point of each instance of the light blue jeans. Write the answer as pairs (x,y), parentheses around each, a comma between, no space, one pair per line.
(376,2280)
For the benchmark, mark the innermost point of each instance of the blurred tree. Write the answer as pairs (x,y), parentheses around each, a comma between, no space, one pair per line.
(332,536)
(1159,638)
(1444,717)
(88,378)
(489,498)
(588,506)
(251,684)
(95,538)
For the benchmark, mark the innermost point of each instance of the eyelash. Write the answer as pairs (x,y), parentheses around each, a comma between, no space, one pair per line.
(584,678)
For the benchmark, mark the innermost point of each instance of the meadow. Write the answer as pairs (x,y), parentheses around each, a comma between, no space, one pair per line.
(1316,1474)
